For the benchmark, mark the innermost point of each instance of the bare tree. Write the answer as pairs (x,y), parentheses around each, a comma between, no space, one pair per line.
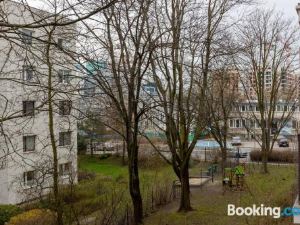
(266,64)
(189,42)
(174,69)
(222,97)
(124,43)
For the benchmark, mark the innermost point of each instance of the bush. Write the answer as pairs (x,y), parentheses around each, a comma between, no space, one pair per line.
(151,161)
(105,156)
(8,211)
(84,175)
(275,156)
(34,217)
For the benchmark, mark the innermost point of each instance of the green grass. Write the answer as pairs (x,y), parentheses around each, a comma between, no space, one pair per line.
(95,197)
(107,167)
(210,202)
(110,188)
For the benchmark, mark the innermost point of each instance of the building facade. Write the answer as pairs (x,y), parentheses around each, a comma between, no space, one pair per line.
(244,121)
(26,157)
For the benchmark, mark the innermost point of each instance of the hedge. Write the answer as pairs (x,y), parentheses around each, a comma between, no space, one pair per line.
(275,156)
(8,211)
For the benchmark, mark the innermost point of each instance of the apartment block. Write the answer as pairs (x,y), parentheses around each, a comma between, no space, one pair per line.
(26,156)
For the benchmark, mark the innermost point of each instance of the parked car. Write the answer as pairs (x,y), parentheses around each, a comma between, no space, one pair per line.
(283,142)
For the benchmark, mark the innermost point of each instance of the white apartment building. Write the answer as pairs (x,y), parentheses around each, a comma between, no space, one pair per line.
(26,156)
(243,121)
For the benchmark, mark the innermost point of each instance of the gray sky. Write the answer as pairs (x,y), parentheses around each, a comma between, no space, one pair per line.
(286,6)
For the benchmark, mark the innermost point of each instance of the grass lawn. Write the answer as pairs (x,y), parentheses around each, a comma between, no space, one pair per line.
(108,167)
(210,202)
(107,196)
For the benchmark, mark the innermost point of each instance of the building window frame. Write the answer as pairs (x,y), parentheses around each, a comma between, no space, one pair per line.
(28,108)
(65,169)
(26,145)
(65,107)
(238,123)
(28,73)
(65,138)
(27,36)
(64,76)
(29,178)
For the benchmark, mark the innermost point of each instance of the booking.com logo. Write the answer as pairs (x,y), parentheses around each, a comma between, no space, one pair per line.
(262,210)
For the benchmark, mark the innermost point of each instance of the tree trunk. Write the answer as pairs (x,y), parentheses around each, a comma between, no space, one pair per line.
(224,161)
(265,160)
(265,152)
(134,184)
(185,202)
(123,152)
(58,207)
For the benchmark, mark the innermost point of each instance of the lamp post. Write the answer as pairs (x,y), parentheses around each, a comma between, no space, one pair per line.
(236,141)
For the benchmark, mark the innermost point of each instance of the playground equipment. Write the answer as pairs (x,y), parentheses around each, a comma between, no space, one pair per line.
(234,177)
(212,169)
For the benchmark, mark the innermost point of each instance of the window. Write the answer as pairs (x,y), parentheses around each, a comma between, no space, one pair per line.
(60,43)
(64,76)
(278,108)
(29,143)
(64,44)
(252,123)
(26,36)
(231,123)
(285,108)
(65,107)
(294,124)
(65,169)
(28,72)
(28,108)
(29,177)
(237,123)
(243,108)
(64,138)
(150,90)
(244,122)
(3,162)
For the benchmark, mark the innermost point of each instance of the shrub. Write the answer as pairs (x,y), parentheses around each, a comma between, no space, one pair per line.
(34,217)
(8,211)
(121,179)
(275,156)
(85,175)
(105,156)
(151,161)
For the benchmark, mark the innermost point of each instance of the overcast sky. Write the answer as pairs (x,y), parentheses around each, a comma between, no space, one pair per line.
(286,6)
